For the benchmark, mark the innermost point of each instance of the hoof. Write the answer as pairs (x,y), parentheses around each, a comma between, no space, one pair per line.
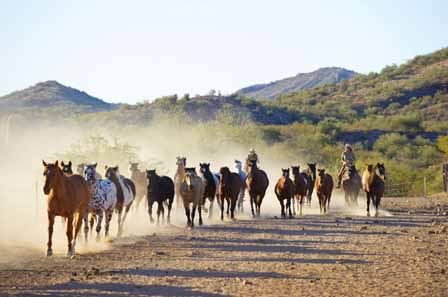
(368,214)
(200,222)
(376,214)
(70,254)
(49,252)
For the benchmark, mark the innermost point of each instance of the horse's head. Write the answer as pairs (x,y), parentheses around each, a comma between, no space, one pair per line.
(381,170)
(90,173)
(190,174)
(321,173)
(312,168)
(181,161)
(112,173)
(224,173)
(151,175)
(295,169)
(67,167)
(204,167)
(369,168)
(285,172)
(133,167)
(52,173)
(80,168)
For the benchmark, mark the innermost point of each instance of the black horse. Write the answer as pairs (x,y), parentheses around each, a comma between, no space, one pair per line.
(312,180)
(211,186)
(160,189)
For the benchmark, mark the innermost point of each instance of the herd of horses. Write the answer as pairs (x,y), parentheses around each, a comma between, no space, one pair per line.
(86,197)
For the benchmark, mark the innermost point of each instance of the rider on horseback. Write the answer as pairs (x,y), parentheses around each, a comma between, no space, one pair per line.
(251,157)
(348,159)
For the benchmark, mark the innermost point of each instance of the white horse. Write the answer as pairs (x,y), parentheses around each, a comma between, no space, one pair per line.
(125,194)
(102,201)
(179,178)
(192,192)
(242,174)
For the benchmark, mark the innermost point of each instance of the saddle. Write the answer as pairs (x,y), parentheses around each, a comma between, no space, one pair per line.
(349,172)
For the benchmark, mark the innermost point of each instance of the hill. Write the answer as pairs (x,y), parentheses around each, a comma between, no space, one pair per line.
(301,81)
(53,95)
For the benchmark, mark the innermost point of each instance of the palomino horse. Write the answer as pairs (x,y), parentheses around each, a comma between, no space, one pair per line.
(257,183)
(67,167)
(125,194)
(211,186)
(242,174)
(192,192)
(351,183)
(179,178)
(160,189)
(373,185)
(312,178)
(284,191)
(68,197)
(300,187)
(138,177)
(102,202)
(228,190)
(324,188)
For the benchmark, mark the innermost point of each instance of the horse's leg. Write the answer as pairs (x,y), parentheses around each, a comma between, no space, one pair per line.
(210,208)
(170,205)
(252,204)
(77,226)
(109,213)
(288,206)
(119,212)
(187,213)
(200,214)
(86,226)
(228,206)
(126,210)
(293,202)
(377,204)
(159,211)
(69,233)
(328,202)
(222,208)
(282,207)
(50,234)
(368,203)
(193,212)
(259,200)
(233,207)
(91,222)
(301,201)
(98,225)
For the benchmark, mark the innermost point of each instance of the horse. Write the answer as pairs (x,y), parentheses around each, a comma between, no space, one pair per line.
(373,185)
(228,190)
(125,194)
(312,179)
(211,186)
(138,177)
(68,197)
(351,183)
(256,182)
(103,200)
(179,178)
(192,191)
(160,189)
(284,190)
(242,174)
(81,168)
(324,187)
(300,187)
(67,167)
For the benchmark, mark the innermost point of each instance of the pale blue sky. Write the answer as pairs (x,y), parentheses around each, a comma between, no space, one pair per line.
(135,50)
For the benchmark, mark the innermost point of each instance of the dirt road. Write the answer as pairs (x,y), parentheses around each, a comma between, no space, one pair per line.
(402,253)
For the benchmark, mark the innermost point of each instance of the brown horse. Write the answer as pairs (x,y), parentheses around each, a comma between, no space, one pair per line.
(229,188)
(351,183)
(192,192)
(257,183)
(300,187)
(373,185)
(68,197)
(179,178)
(140,181)
(284,190)
(324,188)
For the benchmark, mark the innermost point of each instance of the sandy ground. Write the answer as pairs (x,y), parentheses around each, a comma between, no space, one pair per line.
(404,252)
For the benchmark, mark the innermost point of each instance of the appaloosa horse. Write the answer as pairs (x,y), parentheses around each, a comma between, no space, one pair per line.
(140,181)
(102,202)
(192,192)
(284,191)
(179,178)
(300,187)
(373,185)
(257,183)
(228,190)
(125,194)
(67,167)
(351,183)
(211,186)
(160,189)
(68,197)
(324,188)
(242,174)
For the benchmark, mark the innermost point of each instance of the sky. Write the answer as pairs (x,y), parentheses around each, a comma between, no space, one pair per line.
(130,51)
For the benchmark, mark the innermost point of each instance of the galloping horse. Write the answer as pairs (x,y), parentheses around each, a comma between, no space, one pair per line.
(351,183)
(211,186)
(192,192)
(229,188)
(300,187)
(68,197)
(179,178)
(67,167)
(324,188)
(312,178)
(139,179)
(284,191)
(256,182)
(160,189)
(125,194)
(103,200)
(373,185)
(242,174)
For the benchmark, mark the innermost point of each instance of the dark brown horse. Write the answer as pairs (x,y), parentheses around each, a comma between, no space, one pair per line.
(284,190)
(312,178)
(228,190)
(140,181)
(257,183)
(373,185)
(160,189)
(300,188)
(67,167)
(211,183)
(68,197)
(351,183)
(324,188)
